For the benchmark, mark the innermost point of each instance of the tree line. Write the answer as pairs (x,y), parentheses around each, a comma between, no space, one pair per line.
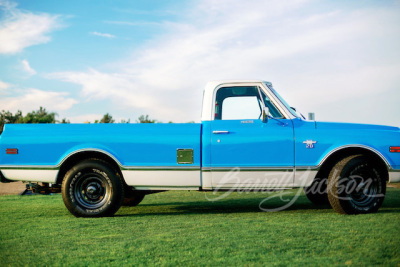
(43,116)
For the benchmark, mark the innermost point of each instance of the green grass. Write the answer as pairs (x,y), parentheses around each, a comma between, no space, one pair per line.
(186,229)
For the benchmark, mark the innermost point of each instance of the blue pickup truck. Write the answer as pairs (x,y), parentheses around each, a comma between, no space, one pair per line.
(249,138)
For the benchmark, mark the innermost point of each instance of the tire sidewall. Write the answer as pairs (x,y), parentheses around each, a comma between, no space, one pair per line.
(113,185)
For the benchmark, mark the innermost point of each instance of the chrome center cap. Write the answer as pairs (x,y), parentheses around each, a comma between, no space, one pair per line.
(91,190)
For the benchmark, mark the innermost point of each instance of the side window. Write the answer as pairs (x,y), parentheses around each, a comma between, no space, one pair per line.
(241,108)
(238,103)
(241,103)
(273,111)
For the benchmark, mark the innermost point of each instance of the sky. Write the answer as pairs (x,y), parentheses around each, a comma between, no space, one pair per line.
(82,59)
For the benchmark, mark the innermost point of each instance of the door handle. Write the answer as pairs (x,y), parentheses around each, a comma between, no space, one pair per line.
(220,132)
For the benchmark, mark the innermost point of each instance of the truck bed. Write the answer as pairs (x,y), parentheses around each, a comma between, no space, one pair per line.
(135,147)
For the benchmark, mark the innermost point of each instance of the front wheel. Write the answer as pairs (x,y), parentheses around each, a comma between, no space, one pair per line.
(92,188)
(356,186)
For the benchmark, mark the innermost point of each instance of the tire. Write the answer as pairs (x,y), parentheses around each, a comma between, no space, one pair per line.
(92,188)
(317,192)
(356,186)
(132,198)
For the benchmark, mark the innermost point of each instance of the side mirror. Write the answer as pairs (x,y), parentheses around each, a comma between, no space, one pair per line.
(265,113)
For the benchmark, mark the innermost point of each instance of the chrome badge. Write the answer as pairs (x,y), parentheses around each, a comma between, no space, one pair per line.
(310,143)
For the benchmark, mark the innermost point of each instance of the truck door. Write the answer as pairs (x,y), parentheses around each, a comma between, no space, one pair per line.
(247,152)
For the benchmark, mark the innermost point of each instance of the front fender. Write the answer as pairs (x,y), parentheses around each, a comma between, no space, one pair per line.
(332,137)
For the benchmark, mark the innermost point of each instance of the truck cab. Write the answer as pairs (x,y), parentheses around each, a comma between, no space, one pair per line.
(242,147)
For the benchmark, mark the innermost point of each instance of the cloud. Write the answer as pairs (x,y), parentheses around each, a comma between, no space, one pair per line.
(134,23)
(20,29)
(30,99)
(27,68)
(106,35)
(85,118)
(4,85)
(306,49)
(120,88)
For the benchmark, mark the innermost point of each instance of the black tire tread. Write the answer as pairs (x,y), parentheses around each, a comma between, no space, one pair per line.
(333,179)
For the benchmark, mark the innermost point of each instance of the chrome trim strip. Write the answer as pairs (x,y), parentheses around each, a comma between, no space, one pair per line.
(152,187)
(282,108)
(30,167)
(220,132)
(154,168)
(355,146)
(248,169)
(89,150)
(307,168)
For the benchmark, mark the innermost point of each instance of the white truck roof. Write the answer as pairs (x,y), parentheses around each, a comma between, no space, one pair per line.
(208,95)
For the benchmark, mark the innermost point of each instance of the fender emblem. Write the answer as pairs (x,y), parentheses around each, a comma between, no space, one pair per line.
(309,143)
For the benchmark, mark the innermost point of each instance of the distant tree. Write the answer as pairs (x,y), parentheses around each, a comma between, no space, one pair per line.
(107,118)
(145,119)
(8,117)
(40,116)
(64,120)
(125,121)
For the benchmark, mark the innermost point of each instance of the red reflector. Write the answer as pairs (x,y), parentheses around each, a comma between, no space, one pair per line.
(395,149)
(11,151)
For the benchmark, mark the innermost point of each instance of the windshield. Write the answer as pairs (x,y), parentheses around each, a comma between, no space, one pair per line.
(294,113)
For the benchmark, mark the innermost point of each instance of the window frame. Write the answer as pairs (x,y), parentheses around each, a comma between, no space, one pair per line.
(261,88)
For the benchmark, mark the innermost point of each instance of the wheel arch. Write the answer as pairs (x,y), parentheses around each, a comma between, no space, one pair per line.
(339,153)
(73,158)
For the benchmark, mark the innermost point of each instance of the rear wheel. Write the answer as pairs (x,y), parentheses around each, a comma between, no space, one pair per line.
(356,186)
(92,188)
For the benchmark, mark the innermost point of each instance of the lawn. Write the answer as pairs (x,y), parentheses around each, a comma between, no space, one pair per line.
(184,228)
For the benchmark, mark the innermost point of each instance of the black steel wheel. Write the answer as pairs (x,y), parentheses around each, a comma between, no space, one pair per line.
(356,186)
(92,189)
